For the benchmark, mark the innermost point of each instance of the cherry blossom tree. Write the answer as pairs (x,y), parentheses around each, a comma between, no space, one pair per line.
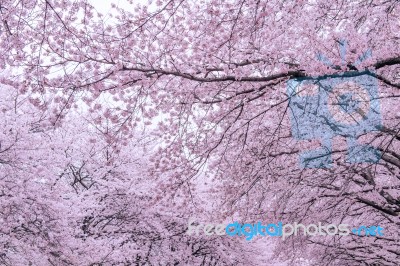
(210,79)
(72,196)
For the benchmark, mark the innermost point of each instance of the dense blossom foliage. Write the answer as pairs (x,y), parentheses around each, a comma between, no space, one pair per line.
(121,126)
